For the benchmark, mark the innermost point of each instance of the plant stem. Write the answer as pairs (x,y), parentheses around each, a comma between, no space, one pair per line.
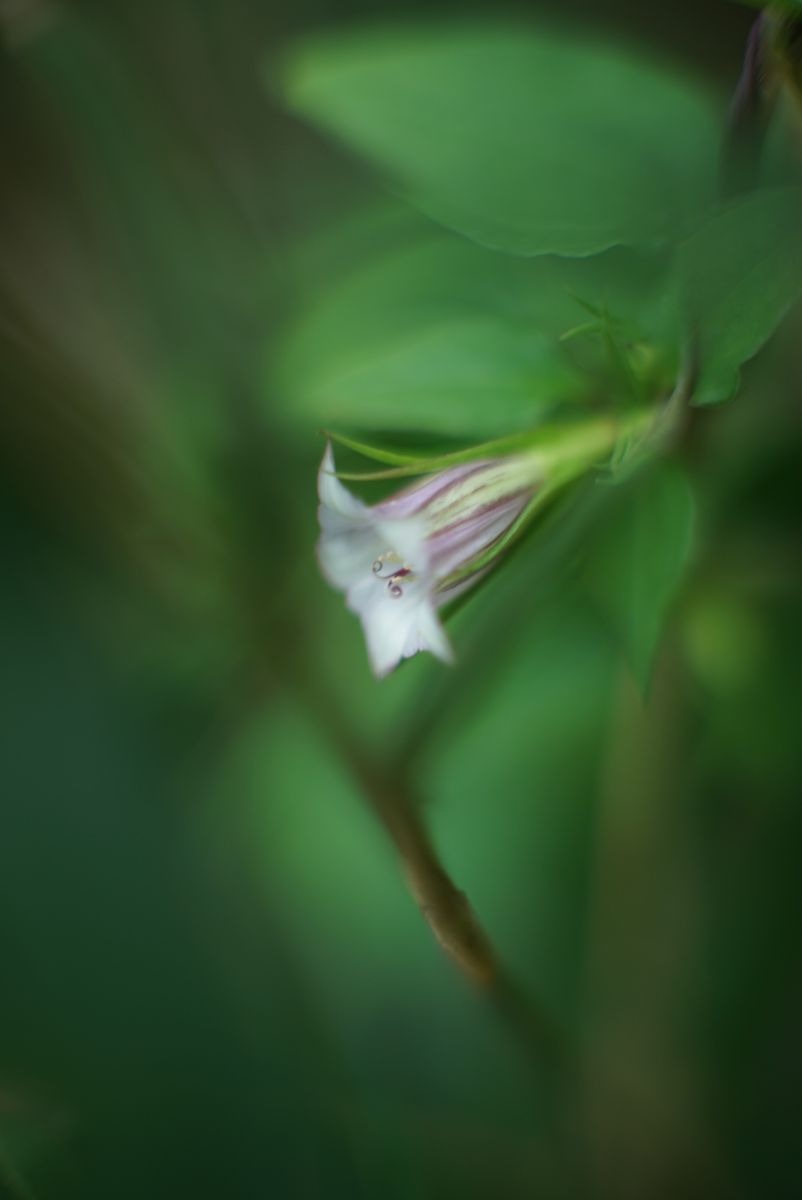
(446,909)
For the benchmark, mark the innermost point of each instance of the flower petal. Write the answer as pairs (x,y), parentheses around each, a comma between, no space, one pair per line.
(415,540)
(407,538)
(416,496)
(396,628)
(465,539)
(428,634)
(339,510)
(387,625)
(345,558)
(349,540)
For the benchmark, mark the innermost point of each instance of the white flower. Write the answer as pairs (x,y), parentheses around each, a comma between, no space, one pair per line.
(393,560)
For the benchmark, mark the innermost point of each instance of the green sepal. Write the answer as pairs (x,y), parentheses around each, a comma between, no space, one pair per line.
(405,464)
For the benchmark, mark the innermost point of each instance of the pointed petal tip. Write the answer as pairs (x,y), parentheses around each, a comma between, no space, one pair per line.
(432,636)
(335,499)
(325,471)
(389,643)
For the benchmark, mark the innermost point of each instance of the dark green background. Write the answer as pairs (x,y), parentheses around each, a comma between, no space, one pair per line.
(213,981)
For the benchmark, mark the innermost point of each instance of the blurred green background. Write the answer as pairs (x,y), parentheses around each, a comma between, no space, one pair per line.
(213,979)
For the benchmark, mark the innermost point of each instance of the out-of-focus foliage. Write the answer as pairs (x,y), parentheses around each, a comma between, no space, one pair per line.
(505,133)
(437,335)
(742,272)
(214,981)
(639,559)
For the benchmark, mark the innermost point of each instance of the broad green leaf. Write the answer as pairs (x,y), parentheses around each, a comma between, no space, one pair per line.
(477,374)
(638,558)
(742,272)
(442,337)
(526,140)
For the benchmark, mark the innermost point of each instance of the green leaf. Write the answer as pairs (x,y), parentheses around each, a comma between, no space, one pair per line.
(442,337)
(742,272)
(525,140)
(638,558)
(432,378)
